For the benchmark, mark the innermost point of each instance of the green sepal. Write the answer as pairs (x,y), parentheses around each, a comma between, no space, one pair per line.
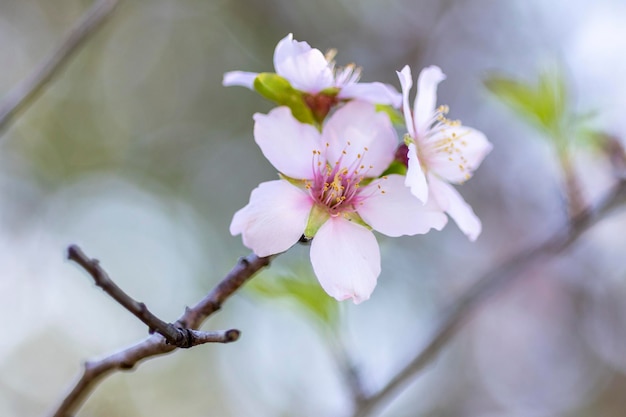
(395,116)
(318,216)
(354,217)
(293,181)
(277,89)
(396,167)
(330,91)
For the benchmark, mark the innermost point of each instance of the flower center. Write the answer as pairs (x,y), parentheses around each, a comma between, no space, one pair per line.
(350,74)
(337,187)
(440,138)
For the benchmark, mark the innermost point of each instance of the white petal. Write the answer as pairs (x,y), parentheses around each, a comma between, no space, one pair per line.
(397,212)
(426,98)
(359,135)
(288,48)
(406,82)
(346,259)
(457,165)
(274,219)
(240,78)
(287,143)
(451,201)
(415,177)
(376,93)
(306,68)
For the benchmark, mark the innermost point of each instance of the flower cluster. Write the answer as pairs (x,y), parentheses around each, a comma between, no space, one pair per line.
(343,173)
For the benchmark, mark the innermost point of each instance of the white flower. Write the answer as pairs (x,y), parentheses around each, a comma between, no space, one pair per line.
(440,151)
(329,189)
(309,71)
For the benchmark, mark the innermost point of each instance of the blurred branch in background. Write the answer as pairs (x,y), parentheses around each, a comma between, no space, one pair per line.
(156,344)
(21,95)
(504,274)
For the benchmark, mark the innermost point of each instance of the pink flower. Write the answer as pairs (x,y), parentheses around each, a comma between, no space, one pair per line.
(309,71)
(330,190)
(440,151)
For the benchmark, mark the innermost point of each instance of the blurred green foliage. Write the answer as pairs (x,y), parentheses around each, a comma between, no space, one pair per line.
(303,289)
(543,104)
(547,105)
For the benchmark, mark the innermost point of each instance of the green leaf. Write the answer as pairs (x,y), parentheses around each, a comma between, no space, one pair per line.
(396,167)
(394,115)
(277,89)
(543,104)
(304,290)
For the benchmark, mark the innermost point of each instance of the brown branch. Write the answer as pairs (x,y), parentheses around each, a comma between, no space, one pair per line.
(156,344)
(177,336)
(21,95)
(485,286)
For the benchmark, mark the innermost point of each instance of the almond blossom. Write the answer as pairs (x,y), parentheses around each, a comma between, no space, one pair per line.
(331,190)
(309,71)
(440,151)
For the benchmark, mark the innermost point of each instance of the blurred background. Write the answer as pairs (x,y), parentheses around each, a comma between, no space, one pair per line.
(138,154)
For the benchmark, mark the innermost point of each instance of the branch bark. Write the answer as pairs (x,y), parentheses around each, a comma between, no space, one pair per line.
(26,91)
(504,274)
(177,336)
(156,344)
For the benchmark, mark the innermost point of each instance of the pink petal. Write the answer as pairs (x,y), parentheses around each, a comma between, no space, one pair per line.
(240,78)
(451,201)
(397,212)
(470,148)
(376,93)
(406,82)
(415,177)
(287,143)
(360,136)
(274,219)
(426,98)
(346,259)
(306,68)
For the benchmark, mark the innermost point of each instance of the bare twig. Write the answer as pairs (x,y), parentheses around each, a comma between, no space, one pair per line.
(156,344)
(617,155)
(177,336)
(485,286)
(21,95)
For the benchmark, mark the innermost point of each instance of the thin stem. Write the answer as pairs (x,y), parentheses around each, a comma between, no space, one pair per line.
(485,286)
(25,92)
(156,345)
(177,336)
